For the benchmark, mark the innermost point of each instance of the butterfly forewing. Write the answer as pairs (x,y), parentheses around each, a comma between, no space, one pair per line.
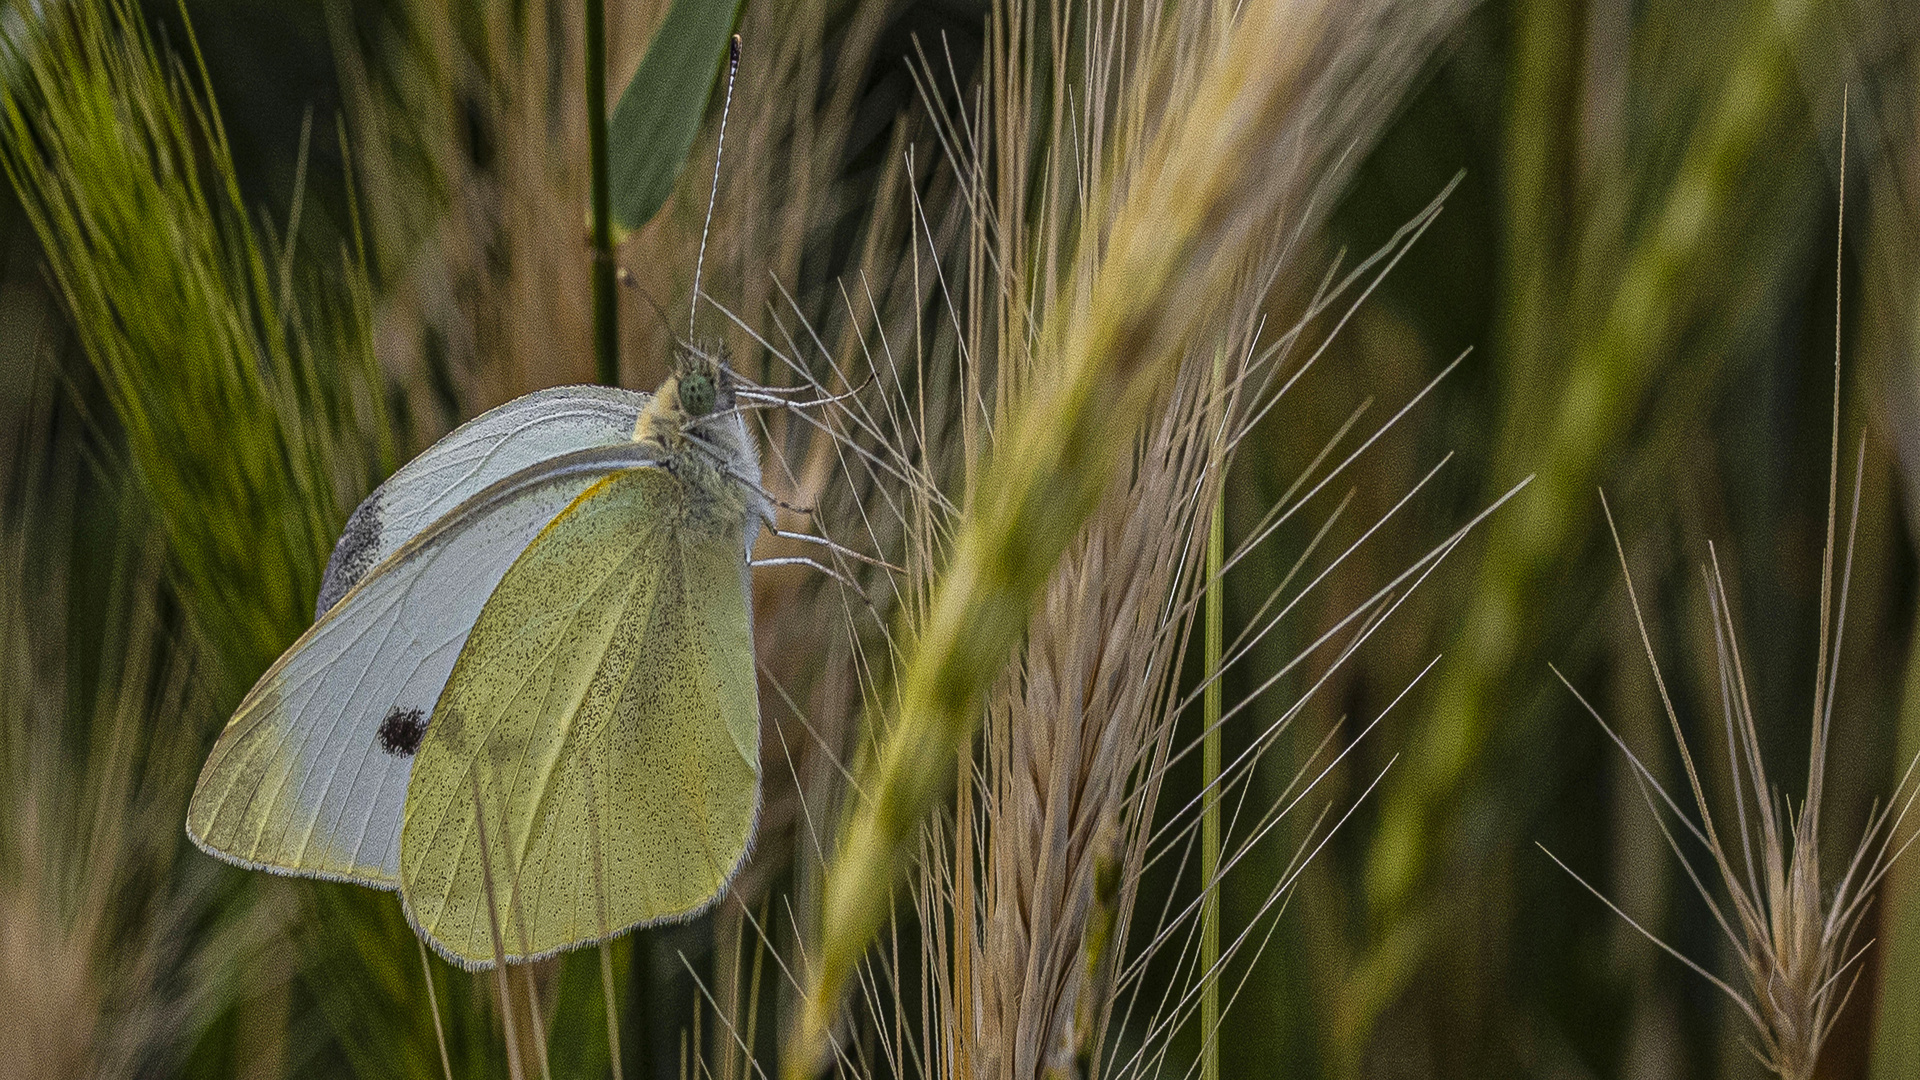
(492,446)
(309,776)
(603,718)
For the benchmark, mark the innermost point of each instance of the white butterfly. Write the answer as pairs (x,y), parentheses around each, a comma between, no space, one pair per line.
(313,774)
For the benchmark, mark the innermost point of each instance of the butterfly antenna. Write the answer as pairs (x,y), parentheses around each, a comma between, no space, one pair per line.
(733,68)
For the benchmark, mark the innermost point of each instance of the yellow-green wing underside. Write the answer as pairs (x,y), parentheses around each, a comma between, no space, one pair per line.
(604,712)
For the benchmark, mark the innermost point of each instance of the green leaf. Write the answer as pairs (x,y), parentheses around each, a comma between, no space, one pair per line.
(659,113)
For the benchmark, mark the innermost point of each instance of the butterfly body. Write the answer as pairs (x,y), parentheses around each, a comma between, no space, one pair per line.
(539,634)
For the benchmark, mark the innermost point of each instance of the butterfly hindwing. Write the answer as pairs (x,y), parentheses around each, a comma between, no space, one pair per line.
(310,775)
(604,720)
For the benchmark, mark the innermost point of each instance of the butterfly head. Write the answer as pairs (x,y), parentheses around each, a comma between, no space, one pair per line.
(702,380)
(693,419)
(696,393)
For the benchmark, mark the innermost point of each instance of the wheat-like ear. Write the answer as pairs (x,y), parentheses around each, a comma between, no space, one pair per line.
(1121,204)
(1793,938)
(1026,896)
(195,320)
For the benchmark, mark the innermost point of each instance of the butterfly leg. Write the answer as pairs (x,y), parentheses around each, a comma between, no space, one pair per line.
(802,560)
(769,396)
(837,548)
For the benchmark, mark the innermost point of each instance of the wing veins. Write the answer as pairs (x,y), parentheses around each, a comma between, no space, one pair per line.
(518,848)
(343,725)
(473,761)
(572,714)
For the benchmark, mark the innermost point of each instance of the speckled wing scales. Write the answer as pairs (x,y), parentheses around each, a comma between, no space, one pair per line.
(604,718)
(298,782)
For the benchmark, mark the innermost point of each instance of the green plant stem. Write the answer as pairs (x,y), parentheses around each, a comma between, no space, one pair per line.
(1210,755)
(606,315)
(1896,1039)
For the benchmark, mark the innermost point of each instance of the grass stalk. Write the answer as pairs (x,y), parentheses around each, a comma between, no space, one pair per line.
(606,311)
(1210,750)
(613,1010)
(503,987)
(433,1004)
(1891,331)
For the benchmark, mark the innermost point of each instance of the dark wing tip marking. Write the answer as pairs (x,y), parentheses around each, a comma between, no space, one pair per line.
(352,556)
(400,733)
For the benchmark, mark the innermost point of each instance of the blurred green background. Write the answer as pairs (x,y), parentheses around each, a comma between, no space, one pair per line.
(1641,254)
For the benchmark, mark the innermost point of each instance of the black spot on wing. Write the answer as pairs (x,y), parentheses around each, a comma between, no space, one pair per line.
(400,733)
(352,555)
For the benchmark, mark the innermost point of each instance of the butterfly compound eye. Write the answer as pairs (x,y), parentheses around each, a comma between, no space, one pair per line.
(696,393)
